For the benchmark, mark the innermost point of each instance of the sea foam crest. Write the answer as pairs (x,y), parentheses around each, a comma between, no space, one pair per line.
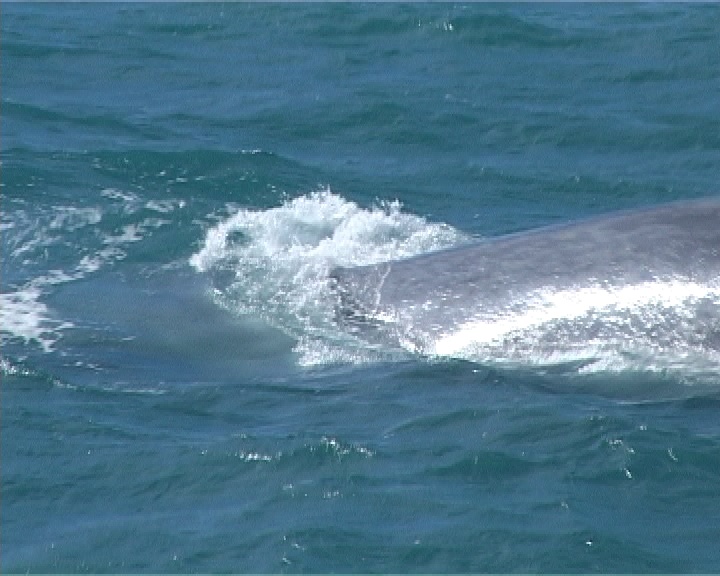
(275,263)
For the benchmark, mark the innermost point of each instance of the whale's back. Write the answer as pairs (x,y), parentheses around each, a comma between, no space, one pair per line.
(435,293)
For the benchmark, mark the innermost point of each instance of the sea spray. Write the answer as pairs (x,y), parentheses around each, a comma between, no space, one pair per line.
(276,263)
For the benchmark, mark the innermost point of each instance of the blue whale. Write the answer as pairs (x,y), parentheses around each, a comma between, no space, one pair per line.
(650,275)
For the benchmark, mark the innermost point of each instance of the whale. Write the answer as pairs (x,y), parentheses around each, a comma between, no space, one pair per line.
(660,266)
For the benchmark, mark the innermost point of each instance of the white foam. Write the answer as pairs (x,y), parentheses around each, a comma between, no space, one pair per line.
(134,232)
(164,206)
(324,229)
(275,263)
(7,368)
(70,218)
(130,233)
(115,194)
(23,315)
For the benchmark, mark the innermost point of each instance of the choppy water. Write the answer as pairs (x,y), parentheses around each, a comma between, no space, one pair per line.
(178,182)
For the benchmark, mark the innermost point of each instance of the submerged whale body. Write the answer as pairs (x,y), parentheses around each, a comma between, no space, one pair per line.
(644,281)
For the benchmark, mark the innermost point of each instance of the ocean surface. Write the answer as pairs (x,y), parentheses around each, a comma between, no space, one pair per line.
(178,183)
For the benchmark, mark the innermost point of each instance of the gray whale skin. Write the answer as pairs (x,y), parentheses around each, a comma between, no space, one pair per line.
(435,292)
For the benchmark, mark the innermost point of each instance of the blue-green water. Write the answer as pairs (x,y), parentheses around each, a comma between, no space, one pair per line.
(177,183)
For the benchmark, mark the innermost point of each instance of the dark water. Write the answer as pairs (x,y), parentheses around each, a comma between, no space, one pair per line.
(179,180)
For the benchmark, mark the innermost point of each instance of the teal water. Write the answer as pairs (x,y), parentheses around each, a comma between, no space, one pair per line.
(178,181)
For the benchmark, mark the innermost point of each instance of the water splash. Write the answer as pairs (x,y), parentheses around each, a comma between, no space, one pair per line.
(276,263)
